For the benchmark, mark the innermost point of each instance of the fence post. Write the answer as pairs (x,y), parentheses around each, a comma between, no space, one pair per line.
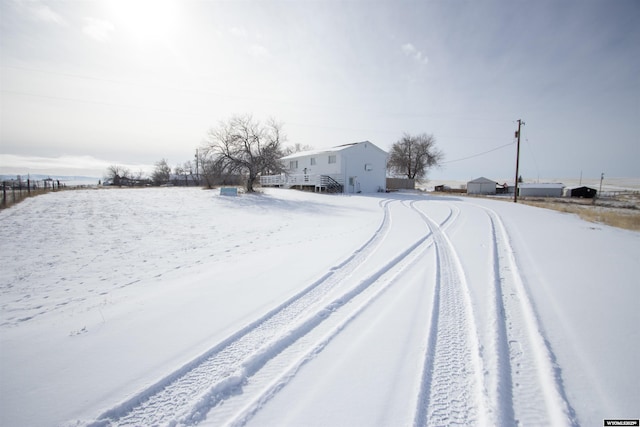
(4,194)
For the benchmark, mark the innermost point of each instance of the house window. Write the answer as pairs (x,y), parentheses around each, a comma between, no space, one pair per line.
(332,159)
(293,164)
(368,167)
(313,161)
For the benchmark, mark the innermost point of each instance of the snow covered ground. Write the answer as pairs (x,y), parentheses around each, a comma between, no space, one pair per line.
(178,306)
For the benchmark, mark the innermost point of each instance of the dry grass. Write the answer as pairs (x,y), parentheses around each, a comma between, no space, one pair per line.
(15,197)
(622,217)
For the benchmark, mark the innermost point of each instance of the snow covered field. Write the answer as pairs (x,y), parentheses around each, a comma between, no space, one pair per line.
(178,306)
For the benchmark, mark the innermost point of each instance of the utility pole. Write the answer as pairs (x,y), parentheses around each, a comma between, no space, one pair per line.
(601,178)
(197,172)
(515,193)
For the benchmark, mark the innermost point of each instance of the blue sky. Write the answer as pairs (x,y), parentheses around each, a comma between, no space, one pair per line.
(90,83)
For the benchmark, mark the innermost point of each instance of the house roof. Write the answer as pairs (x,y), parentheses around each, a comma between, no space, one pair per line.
(322,151)
(482,180)
(583,187)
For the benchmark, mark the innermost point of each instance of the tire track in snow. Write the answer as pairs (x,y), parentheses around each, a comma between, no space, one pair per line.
(527,389)
(451,388)
(186,395)
(217,373)
(311,338)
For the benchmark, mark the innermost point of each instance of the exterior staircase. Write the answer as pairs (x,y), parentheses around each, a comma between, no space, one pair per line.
(330,184)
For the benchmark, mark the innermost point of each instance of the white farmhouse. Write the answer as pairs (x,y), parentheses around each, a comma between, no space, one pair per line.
(360,167)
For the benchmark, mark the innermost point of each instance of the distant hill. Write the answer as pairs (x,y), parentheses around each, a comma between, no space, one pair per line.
(67,179)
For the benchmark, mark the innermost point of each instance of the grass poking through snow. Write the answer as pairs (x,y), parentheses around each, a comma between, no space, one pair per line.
(627,218)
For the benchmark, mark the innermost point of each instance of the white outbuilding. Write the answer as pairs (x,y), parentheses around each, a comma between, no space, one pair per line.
(360,167)
(540,190)
(481,185)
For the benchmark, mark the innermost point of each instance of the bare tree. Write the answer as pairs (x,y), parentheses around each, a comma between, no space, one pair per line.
(214,172)
(184,171)
(116,173)
(413,156)
(188,167)
(208,170)
(161,173)
(140,176)
(296,148)
(245,146)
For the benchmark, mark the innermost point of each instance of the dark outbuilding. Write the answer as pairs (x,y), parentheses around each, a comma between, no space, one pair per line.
(584,192)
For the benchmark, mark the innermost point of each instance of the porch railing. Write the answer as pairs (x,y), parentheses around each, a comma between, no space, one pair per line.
(320,182)
(268,180)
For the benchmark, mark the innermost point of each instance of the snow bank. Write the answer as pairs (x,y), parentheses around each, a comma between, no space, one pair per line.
(109,293)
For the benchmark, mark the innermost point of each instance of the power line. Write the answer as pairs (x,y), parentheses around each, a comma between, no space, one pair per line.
(528,144)
(88,101)
(180,112)
(195,113)
(478,154)
(268,100)
(202,92)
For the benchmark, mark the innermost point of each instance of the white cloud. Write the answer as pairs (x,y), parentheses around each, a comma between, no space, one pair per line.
(63,165)
(259,51)
(410,50)
(255,49)
(239,32)
(98,29)
(36,162)
(42,12)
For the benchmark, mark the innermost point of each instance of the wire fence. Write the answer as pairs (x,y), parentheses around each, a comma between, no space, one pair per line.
(16,190)
(618,193)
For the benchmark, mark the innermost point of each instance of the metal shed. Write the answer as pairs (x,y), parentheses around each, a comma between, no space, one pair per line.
(481,185)
(584,192)
(540,190)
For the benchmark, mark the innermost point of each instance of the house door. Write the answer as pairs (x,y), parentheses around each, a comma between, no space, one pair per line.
(354,185)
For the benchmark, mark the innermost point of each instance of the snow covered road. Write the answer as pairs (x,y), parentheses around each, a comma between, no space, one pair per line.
(301,309)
